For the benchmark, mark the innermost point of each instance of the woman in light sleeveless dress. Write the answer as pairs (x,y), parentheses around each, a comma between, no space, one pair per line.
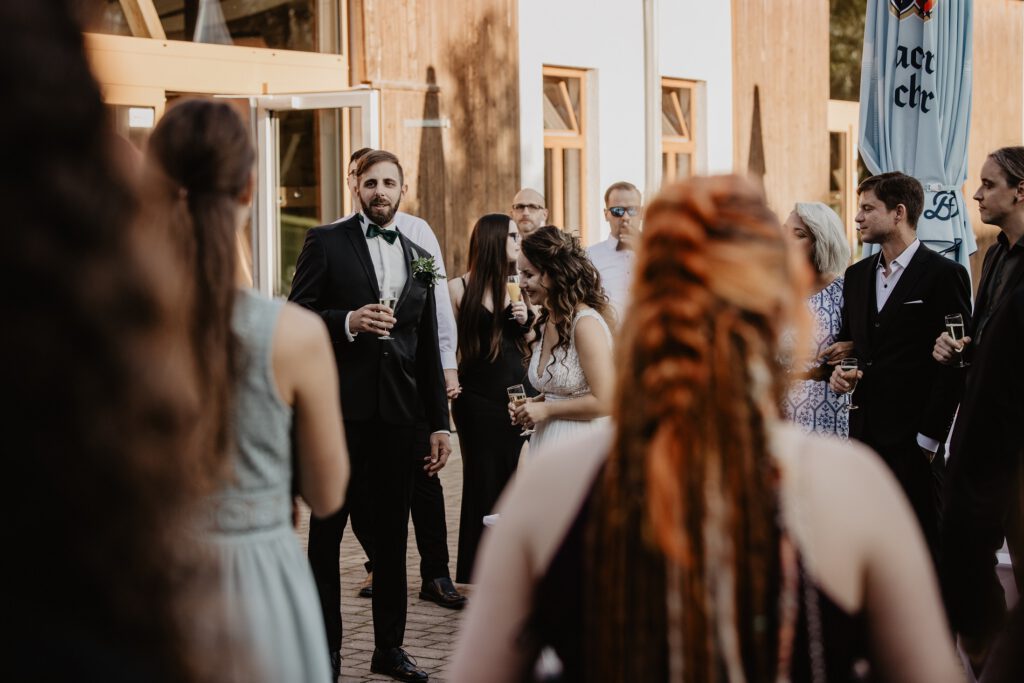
(268,376)
(571,362)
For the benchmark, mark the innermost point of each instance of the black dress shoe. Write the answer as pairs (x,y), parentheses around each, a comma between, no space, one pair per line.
(366,590)
(397,663)
(442,591)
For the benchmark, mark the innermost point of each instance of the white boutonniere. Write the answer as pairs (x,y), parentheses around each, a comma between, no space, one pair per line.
(425,270)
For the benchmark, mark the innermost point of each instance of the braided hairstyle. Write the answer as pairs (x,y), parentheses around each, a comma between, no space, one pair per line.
(574,281)
(683,558)
(201,160)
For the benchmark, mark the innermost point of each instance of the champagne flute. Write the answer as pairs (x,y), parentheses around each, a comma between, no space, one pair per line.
(514,293)
(847,365)
(955,327)
(388,297)
(517,395)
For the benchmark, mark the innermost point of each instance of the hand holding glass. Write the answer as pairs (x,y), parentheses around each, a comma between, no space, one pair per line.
(514,293)
(848,365)
(388,299)
(955,327)
(517,397)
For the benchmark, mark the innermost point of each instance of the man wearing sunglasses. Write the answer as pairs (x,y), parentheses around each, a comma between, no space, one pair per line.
(613,257)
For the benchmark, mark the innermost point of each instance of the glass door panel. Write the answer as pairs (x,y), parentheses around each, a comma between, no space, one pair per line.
(303,142)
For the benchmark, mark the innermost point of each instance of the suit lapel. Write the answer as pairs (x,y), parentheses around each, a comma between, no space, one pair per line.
(869,301)
(908,280)
(354,230)
(409,256)
(986,273)
(1011,284)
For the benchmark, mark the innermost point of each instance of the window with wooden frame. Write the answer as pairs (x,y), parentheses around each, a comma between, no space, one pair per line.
(565,148)
(678,129)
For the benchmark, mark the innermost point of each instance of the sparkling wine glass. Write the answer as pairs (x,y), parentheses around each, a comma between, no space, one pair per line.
(517,395)
(514,293)
(955,327)
(847,365)
(388,297)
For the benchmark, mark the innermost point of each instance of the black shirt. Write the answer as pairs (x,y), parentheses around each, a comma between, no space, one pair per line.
(1003,265)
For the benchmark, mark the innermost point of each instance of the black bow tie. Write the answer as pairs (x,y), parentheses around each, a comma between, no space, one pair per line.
(376,231)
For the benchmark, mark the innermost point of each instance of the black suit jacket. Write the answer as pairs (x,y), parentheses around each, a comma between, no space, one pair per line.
(984,492)
(399,381)
(983,304)
(904,391)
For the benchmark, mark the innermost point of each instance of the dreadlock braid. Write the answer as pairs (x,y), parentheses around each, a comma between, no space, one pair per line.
(688,497)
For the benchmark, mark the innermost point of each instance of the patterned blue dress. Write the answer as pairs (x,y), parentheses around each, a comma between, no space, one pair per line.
(809,403)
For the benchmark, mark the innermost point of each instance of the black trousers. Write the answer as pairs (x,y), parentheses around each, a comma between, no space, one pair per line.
(384,460)
(429,525)
(922,482)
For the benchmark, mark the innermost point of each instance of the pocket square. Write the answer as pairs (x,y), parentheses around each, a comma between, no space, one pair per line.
(915,301)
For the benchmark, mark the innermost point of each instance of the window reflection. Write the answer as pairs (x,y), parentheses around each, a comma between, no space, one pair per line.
(283,24)
(278,24)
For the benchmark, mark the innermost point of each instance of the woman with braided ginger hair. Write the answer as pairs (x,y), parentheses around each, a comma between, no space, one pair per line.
(702,538)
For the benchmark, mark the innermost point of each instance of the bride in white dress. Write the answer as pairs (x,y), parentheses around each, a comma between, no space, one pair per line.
(571,364)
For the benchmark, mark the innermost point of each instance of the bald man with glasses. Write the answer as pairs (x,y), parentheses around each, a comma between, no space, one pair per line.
(614,257)
(529,211)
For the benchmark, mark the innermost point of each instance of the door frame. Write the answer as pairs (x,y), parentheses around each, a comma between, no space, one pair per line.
(266,220)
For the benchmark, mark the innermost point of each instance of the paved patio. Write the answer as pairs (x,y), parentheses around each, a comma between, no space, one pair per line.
(431,630)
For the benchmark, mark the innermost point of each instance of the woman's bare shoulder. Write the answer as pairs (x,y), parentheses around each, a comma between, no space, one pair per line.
(839,502)
(828,462)
(298,329)
(456,288)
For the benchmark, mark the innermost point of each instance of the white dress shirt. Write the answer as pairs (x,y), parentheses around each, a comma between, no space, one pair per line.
(616,268)
(884,284)
(388,264)
(418,230)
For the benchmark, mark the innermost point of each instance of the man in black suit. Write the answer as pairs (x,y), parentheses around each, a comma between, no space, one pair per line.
(984,499)
(895,304)
(389,388)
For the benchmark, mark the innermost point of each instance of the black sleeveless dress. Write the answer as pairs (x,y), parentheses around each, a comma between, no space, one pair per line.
(490,443)
(557,619)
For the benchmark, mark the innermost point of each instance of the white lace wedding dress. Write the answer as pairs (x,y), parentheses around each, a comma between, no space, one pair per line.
(561,380)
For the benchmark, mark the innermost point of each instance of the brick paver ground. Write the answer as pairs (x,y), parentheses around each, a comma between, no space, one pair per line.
(431,630)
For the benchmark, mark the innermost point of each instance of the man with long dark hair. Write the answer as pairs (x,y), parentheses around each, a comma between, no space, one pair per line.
(374,289)
(984,490)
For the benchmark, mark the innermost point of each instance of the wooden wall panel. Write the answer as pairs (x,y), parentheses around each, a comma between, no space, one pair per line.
(456,61)
(997,119)
(780,48)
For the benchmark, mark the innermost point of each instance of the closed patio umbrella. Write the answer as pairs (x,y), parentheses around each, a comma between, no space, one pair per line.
(915,109)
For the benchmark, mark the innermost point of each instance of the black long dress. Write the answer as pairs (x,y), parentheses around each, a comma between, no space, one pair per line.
(490,443)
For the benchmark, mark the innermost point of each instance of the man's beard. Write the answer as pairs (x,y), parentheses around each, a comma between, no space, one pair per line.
(382,214)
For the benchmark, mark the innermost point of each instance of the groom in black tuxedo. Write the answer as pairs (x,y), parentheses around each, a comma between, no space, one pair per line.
(895,303)
(390,389)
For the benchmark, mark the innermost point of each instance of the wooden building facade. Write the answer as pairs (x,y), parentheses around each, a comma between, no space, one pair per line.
(465,93)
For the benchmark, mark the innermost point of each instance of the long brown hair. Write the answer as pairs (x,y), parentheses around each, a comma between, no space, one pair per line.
(204,158)
(574,281)
(99,486)
(489,269)
(685,513)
